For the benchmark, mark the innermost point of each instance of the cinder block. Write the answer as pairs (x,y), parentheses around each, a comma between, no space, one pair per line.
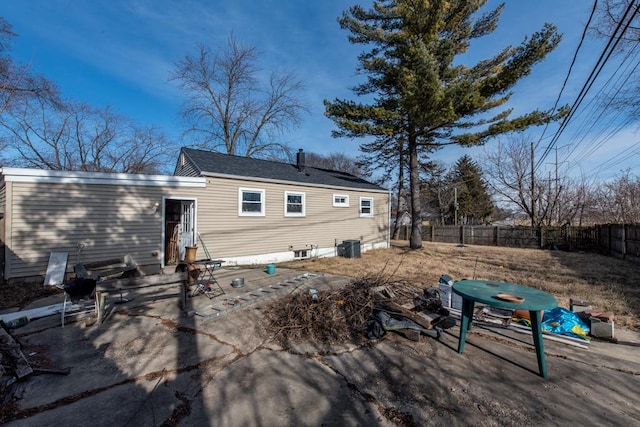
(579,305)
(602,329)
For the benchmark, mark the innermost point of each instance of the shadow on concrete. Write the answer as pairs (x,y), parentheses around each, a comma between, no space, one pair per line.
(150,365)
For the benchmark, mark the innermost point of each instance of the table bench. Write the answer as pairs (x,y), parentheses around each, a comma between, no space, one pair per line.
(124,266)
(131,283)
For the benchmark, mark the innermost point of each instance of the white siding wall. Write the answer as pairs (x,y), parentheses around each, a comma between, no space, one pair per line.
(109,220)
(3,197)
(227,234)
(113,220)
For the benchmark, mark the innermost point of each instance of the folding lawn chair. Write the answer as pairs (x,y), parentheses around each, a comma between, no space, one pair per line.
(76,290)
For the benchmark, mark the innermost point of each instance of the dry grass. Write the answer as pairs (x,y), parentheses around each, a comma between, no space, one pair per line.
(608,283)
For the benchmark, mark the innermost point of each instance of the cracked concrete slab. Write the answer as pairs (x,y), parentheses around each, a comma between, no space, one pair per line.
(149,364)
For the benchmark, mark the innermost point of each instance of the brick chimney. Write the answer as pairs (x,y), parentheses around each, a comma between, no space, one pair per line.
(300,160)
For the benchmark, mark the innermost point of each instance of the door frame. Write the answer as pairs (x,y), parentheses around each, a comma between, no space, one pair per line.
(165,199)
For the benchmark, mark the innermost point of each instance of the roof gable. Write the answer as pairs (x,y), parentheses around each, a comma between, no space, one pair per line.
(218,164)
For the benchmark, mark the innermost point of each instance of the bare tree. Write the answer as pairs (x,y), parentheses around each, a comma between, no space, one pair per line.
(618,21)
(616,14)
(334,161)
(508,173)
(18,83)
(437,194)
(228,109)
(557,199)
(80,137)
(618,201)
(40,131)
(574,206)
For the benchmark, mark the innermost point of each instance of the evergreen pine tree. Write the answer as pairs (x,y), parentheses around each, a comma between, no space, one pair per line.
(421,97)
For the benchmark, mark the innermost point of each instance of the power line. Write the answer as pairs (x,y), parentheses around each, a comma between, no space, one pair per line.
(622,77)
(622,156)
(607,131)
(604,57)
(573,61)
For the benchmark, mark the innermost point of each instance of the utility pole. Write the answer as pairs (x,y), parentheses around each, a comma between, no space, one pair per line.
(533,188)
(551,202)
(557,203)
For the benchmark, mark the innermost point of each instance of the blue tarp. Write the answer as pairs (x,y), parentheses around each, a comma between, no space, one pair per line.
(564,322)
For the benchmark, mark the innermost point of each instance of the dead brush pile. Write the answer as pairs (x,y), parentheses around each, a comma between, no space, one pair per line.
(338,315)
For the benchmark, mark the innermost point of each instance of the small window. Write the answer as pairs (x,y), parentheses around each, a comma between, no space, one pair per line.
(366,206)
(340,201)
(293,204)
(251,202)
(302,253)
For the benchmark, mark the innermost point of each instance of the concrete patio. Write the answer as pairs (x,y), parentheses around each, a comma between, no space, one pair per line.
(150,364)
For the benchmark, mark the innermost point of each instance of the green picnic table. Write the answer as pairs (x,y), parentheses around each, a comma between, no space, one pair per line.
(504,295)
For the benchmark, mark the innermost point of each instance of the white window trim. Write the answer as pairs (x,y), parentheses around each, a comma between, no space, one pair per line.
(341,205)
(304,200)
(366,215)
(263,196)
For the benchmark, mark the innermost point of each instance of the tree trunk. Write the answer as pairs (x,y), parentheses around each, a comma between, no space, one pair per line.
(396,226)
(441,205)
(415,242)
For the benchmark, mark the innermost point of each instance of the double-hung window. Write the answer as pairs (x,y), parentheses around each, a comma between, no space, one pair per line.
(251,202)
(366,206)
(294,204)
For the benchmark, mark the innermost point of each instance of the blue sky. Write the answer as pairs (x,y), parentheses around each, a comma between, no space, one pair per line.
(121,52)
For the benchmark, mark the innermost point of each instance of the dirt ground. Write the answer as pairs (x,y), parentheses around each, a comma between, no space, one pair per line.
(19,295)
(151,365)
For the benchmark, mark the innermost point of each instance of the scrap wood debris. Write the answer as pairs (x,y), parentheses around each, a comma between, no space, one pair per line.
(17,364)
(341,315)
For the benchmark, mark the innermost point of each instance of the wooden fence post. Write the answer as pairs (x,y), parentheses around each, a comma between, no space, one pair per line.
(624,241)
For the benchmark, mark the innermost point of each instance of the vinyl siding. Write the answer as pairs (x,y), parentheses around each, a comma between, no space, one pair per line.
(3,223)
(3,197)
(112,220)
(185,168)
(227,234)
(109,220)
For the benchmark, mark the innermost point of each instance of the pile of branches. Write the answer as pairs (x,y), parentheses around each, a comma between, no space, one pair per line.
(337,315)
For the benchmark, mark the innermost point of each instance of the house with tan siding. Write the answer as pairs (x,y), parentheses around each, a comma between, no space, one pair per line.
(244,211)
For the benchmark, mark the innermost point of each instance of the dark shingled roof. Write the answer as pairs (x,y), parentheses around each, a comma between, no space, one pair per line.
(218,163)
